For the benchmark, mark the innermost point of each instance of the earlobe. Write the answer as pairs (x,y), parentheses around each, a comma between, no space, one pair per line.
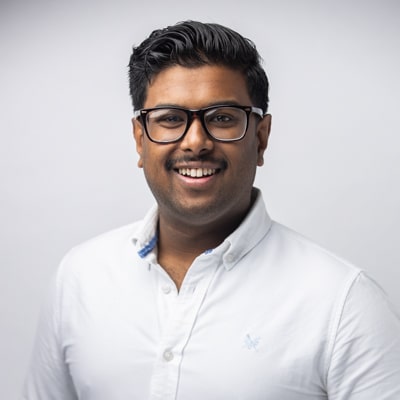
(138,136)
(263,131)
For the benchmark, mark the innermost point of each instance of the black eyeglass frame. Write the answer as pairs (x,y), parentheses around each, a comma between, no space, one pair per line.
(191,113)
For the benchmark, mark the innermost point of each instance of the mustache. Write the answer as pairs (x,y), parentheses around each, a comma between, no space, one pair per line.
(170,164)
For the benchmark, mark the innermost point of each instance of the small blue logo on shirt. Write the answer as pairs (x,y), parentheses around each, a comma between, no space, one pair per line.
(251,343)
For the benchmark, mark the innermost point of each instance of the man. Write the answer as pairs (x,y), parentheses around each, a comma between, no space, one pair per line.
(206,297)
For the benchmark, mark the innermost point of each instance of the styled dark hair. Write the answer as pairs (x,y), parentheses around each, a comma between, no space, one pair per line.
(192,44)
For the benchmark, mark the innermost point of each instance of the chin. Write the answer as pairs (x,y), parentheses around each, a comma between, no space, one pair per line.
(197,213)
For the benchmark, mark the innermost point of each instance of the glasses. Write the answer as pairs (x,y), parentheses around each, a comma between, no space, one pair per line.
(225,123)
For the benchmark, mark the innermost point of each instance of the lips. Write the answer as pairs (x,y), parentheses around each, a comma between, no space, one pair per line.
(196,167)
(196,172)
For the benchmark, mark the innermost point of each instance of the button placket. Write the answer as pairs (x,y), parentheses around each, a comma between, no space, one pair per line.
(183,309)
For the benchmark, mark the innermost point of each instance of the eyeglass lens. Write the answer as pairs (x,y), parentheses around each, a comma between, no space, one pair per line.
(224,123)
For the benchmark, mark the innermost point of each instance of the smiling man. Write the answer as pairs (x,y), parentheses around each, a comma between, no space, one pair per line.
(207,297)
(200,165)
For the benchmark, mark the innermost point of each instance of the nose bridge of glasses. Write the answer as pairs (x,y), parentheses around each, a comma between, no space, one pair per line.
(196,114)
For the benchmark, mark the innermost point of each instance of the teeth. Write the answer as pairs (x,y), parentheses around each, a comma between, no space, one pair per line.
(196,172)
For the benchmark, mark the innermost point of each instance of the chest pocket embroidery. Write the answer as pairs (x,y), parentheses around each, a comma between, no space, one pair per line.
(251,342)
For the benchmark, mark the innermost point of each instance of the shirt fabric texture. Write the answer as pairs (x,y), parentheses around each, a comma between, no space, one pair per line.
(266,315)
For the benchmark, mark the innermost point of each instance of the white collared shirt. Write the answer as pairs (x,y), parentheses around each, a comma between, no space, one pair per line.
(266,315)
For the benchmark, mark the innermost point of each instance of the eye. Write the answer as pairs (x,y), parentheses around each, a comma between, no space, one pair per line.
(170,119)
(167,118)
(223,117)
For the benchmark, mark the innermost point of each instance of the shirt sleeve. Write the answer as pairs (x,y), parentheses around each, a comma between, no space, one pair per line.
(365,361)
(48,377)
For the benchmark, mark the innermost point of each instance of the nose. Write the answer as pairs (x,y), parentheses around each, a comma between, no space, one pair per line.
(196,139)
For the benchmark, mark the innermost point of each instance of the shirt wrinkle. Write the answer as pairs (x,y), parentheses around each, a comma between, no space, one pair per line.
(336,320)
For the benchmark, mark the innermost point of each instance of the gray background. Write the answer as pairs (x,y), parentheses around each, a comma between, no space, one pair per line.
(68,162)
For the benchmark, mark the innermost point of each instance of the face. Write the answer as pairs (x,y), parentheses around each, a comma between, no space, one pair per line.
(223,192)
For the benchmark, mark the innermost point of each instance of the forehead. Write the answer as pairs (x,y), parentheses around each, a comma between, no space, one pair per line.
(197,87)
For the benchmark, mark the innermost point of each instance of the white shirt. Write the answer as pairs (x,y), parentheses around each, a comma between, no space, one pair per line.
(265,315)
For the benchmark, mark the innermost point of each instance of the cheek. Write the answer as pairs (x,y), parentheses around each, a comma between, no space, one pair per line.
(152,159)
(146,154)
(243,165)
(248,153)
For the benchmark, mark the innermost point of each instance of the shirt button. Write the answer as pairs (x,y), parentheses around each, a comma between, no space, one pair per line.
(166,289)
(229,258)
(168,355)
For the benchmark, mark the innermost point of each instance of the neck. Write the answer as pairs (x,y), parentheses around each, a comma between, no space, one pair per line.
(181,241)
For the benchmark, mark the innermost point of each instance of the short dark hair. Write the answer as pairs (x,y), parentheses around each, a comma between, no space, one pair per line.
(193,44)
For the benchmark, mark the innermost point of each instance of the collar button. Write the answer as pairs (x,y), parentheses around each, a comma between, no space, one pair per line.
(229,258)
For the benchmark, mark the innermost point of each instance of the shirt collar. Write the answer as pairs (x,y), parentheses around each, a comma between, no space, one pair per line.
(252,229)
(145,236)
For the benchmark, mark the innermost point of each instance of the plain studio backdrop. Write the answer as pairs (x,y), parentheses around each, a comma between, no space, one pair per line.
(68,161)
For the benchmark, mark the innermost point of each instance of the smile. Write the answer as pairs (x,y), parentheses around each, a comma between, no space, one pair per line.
(196,172)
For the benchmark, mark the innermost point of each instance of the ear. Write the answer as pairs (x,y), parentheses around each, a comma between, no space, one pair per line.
(263,131)
(138,135)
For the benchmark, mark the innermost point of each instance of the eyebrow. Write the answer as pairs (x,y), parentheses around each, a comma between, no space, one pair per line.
(213,104)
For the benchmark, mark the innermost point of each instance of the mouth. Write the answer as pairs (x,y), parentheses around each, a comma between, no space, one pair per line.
(201,169)
(197,172)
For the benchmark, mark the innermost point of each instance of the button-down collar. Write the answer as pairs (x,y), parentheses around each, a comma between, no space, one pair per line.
(254,227)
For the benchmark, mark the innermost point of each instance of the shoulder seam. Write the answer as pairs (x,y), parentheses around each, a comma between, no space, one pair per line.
(335,321)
